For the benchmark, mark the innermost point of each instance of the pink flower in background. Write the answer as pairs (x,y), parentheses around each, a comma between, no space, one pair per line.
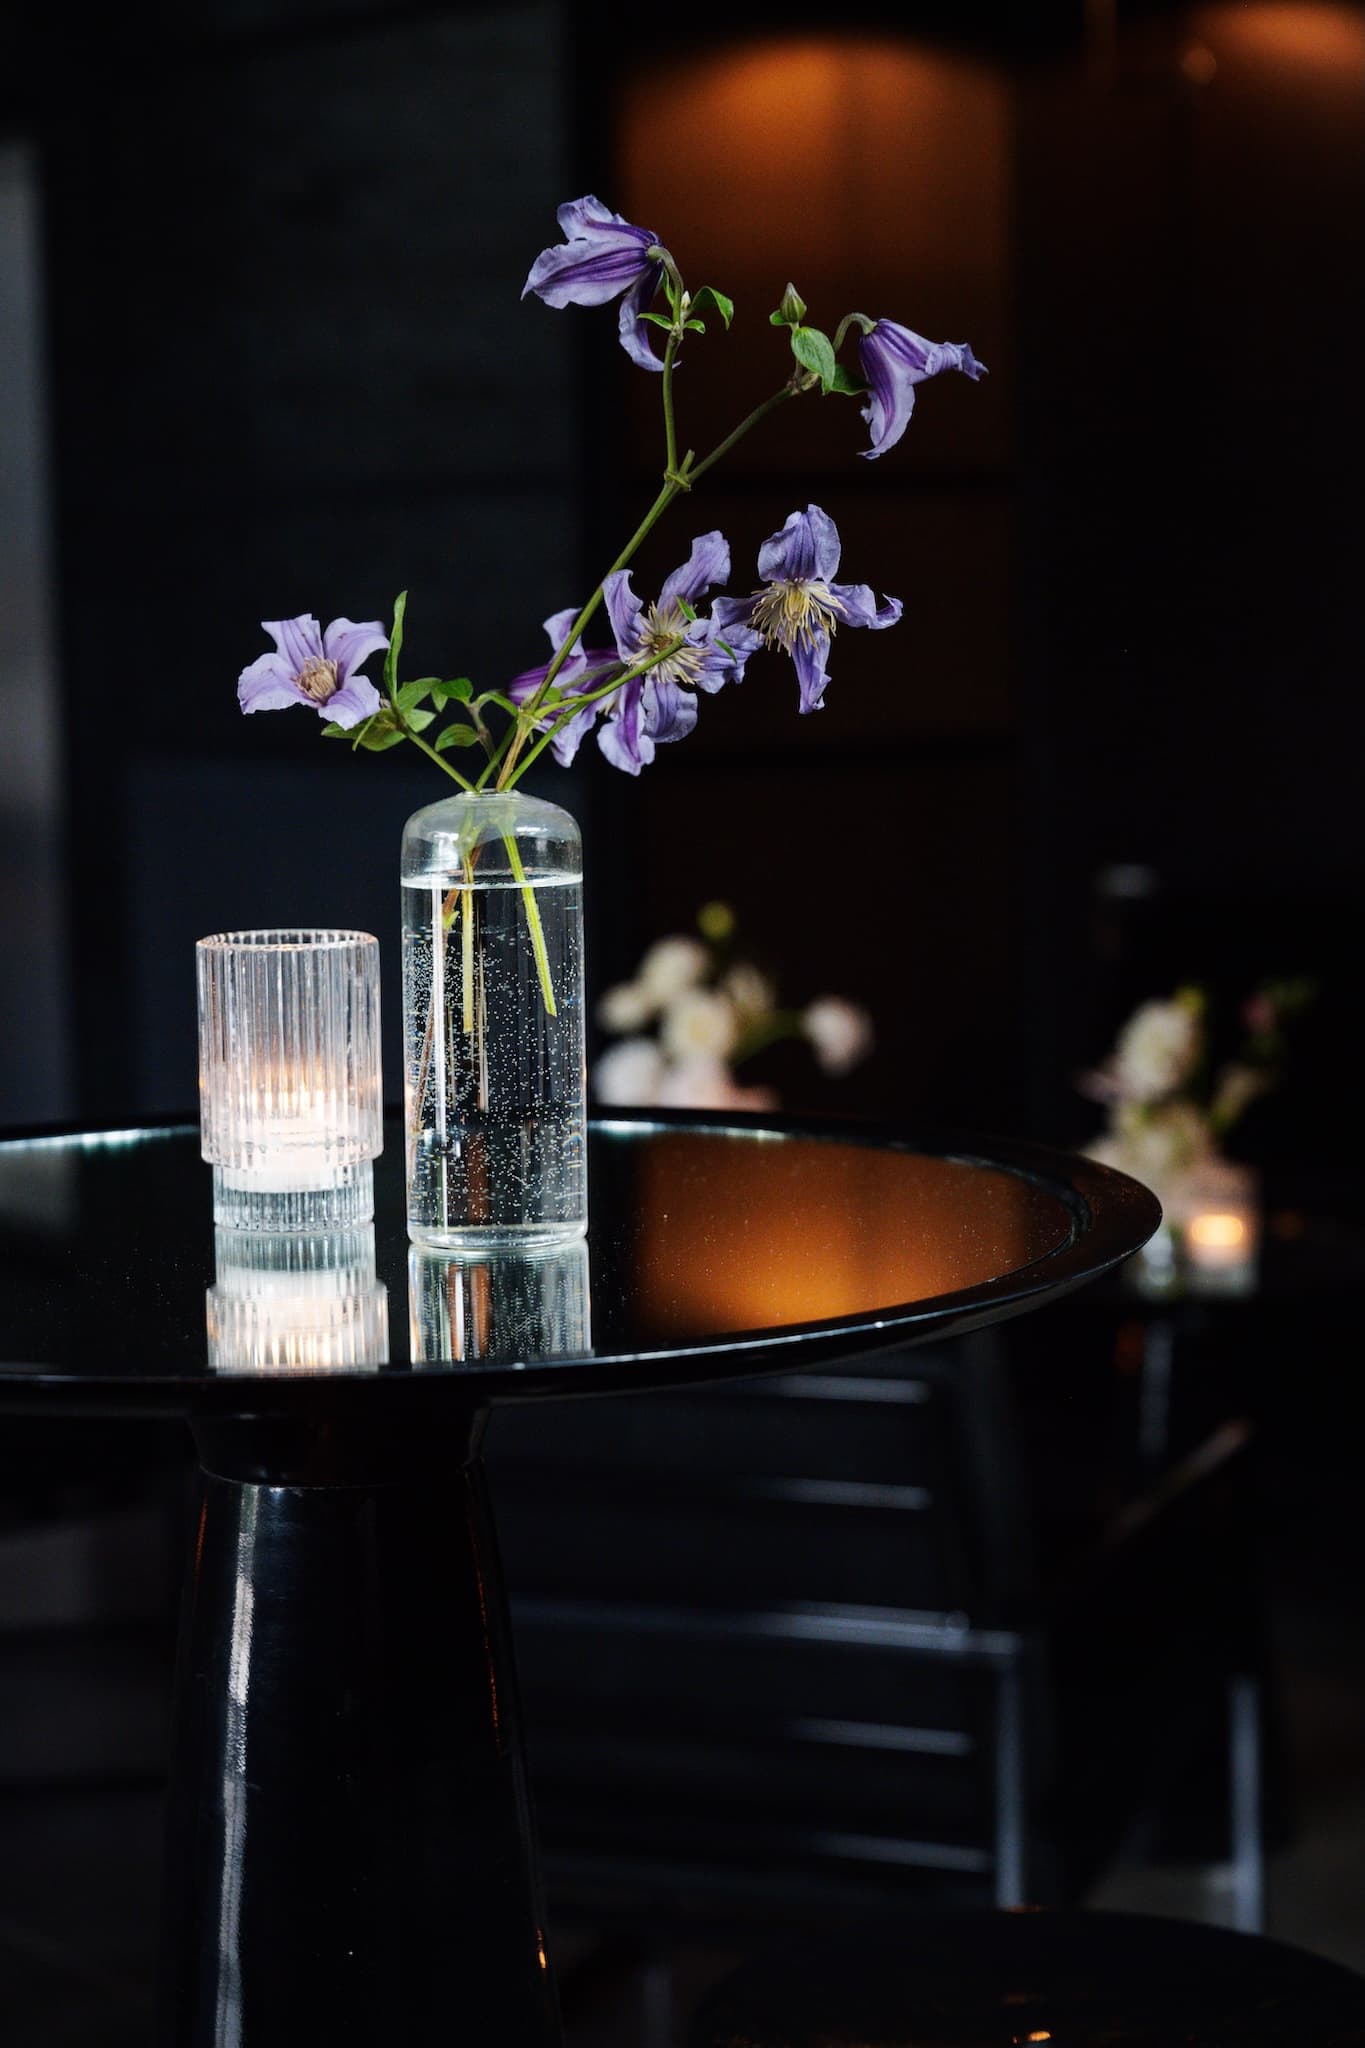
(840,1032)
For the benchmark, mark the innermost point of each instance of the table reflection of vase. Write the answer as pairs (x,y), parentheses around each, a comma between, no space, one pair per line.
(284,1302)
(501,1307)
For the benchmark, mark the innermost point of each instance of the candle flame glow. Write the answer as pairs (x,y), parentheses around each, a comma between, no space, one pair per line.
(1217,1232)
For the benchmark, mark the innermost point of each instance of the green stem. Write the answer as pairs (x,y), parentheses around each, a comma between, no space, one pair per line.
(770,1030)
(665,498)
(752,419)
(504,761)
(439,759)
(590,697)
(670,430)
(467,951)
(528,897)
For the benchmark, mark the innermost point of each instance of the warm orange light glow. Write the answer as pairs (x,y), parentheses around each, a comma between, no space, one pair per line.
(1216,1233)
(1199,64)
(760,1235)
(877,157)
(1043,2035)
(1323,39)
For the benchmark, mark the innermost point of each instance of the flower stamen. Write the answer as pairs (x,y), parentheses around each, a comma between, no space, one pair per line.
(658,630)
(789,614)
(318,679)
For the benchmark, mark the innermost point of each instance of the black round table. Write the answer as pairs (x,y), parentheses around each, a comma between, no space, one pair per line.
(1000,1980)
(351,1856)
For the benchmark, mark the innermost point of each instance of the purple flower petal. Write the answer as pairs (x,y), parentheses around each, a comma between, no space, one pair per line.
(267,685)
(725,664)
(354,702)
(859,605)
(894,360)
(636,333)
(581,216)
(707,565)
(806,551)
(557,627)
(623,609)
(604,255)
(670,711)
(299,640)
(731,615)
(348,644)
(623,738)
(809,656)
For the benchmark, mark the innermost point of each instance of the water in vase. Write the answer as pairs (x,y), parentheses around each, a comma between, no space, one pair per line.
(494,1080)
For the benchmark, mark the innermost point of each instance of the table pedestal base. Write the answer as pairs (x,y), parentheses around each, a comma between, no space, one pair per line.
(351,1857)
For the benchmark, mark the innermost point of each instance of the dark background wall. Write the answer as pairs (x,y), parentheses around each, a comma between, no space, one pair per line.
(287,369)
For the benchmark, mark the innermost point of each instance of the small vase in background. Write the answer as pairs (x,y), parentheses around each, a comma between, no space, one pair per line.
(493,1039)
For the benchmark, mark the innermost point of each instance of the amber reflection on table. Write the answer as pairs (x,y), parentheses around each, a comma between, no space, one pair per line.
(741,1232)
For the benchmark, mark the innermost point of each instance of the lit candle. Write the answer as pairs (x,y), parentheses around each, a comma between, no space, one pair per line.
(289,1078)
(1222,1230)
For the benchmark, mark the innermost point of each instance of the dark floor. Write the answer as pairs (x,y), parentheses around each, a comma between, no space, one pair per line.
(79,1866)
(80,1748)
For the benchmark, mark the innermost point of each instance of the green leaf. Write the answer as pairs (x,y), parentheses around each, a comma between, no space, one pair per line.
(815,352)
(419,720)
(459,687)
(688,611)
(657,319)
(338,732)
(844,381)
(694,326)
(378,741)
(457,736)
(412,694)
(395,648)
(709,296)
(791,312)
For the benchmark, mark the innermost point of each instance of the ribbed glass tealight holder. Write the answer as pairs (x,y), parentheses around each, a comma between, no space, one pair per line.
(290,1093)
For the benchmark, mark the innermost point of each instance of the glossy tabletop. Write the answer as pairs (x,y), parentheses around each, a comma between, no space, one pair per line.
(711,1246)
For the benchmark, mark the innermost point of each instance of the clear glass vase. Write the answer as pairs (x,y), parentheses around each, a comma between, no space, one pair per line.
(493,1041)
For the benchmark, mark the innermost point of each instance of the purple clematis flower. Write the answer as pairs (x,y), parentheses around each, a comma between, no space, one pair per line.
(653,709)
(317,668)
(894,361)
(603,257)
(581,671)
(803,605)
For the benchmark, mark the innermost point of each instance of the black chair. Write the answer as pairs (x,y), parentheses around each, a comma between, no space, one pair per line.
(847,1646)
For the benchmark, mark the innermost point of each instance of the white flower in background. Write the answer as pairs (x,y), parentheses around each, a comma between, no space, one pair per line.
(693,1013)
(704,1082)
(1158,1049)
(626,1007)
(699,1024)
(840,1032)
(751,992)
(1156,1144)
(670,966)
(628,1075)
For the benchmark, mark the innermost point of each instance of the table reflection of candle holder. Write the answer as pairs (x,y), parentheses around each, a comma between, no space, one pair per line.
(296,1302)
(289,1079)
(501,1307)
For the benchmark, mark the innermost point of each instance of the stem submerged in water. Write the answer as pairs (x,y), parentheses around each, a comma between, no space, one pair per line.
(528,897)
